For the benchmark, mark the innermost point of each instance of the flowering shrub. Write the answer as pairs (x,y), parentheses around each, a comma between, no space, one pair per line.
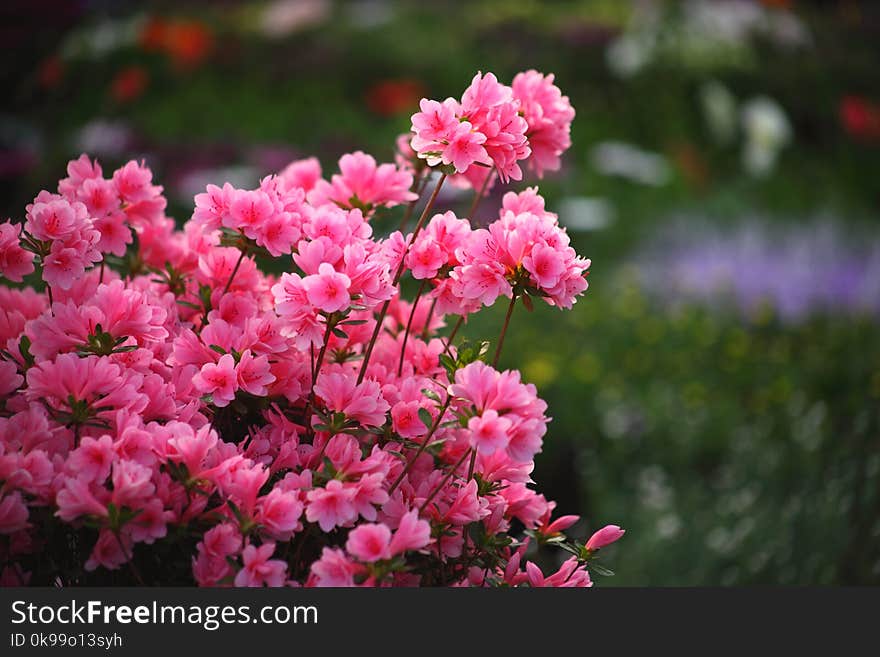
(169,413)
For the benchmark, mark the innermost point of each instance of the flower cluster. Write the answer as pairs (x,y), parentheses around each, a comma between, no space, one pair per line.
(172,414)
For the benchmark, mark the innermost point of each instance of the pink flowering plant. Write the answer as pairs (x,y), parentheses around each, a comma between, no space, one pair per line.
(171,414)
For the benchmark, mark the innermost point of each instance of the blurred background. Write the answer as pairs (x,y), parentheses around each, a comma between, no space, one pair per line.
(717,391)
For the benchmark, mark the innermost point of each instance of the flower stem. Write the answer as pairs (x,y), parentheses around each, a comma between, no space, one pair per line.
(418,228)
(445,480)
(452,334)
(315,371)
(396,280)
(422,447)
(480,194)
(470,475)
(503,331)
(234,272)
(412,313)
(129,559)
(426,328)
(418,187)
(323,350)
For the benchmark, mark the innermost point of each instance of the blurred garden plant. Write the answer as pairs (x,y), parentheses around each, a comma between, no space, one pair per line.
(171,414)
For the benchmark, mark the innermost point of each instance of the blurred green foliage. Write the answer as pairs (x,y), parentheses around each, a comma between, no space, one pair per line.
(733,453)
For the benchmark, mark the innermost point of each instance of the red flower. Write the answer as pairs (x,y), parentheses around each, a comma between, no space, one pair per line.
(390,97)
(129,84)
(860,118)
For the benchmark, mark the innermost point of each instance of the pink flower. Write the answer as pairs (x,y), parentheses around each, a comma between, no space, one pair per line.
(79,171)
(279,513)
(425,258)
(115,233)
(112,398)
(132,484)
(549,115)
(411,534)
(362,402)
(13,513)
(489,432)
(483,282)
(133,182)
(369,542)
(331,506)
(212,206)
(545,264)
(94,382)
(570,574)
(93,459)
(277,234)
(259,569)
(303,174)
(218,380)
(406,420)
(493,111)
(15,262)
(328,289)
(253,373)
(248,210)
(51,217)
(110,551)
(605,536)
(10,379)
(77,498)
(334,569)
(433,123)
(362,184)
(464,147)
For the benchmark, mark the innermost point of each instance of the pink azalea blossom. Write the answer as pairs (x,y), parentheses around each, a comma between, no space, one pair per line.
(332,506)
(363,184)
(122,423)
(328,289)
(15,262)
(489,432)
(253,373)
(604,537)
(259,569)
(369,542)
(218,380)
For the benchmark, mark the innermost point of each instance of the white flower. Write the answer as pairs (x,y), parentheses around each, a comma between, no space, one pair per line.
(767,131)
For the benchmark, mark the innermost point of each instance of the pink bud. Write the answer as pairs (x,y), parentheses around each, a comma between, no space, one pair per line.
(605,536)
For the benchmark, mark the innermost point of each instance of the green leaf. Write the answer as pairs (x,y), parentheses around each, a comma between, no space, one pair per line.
(425,417)
(600,569)
(430,394)
(216,347)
